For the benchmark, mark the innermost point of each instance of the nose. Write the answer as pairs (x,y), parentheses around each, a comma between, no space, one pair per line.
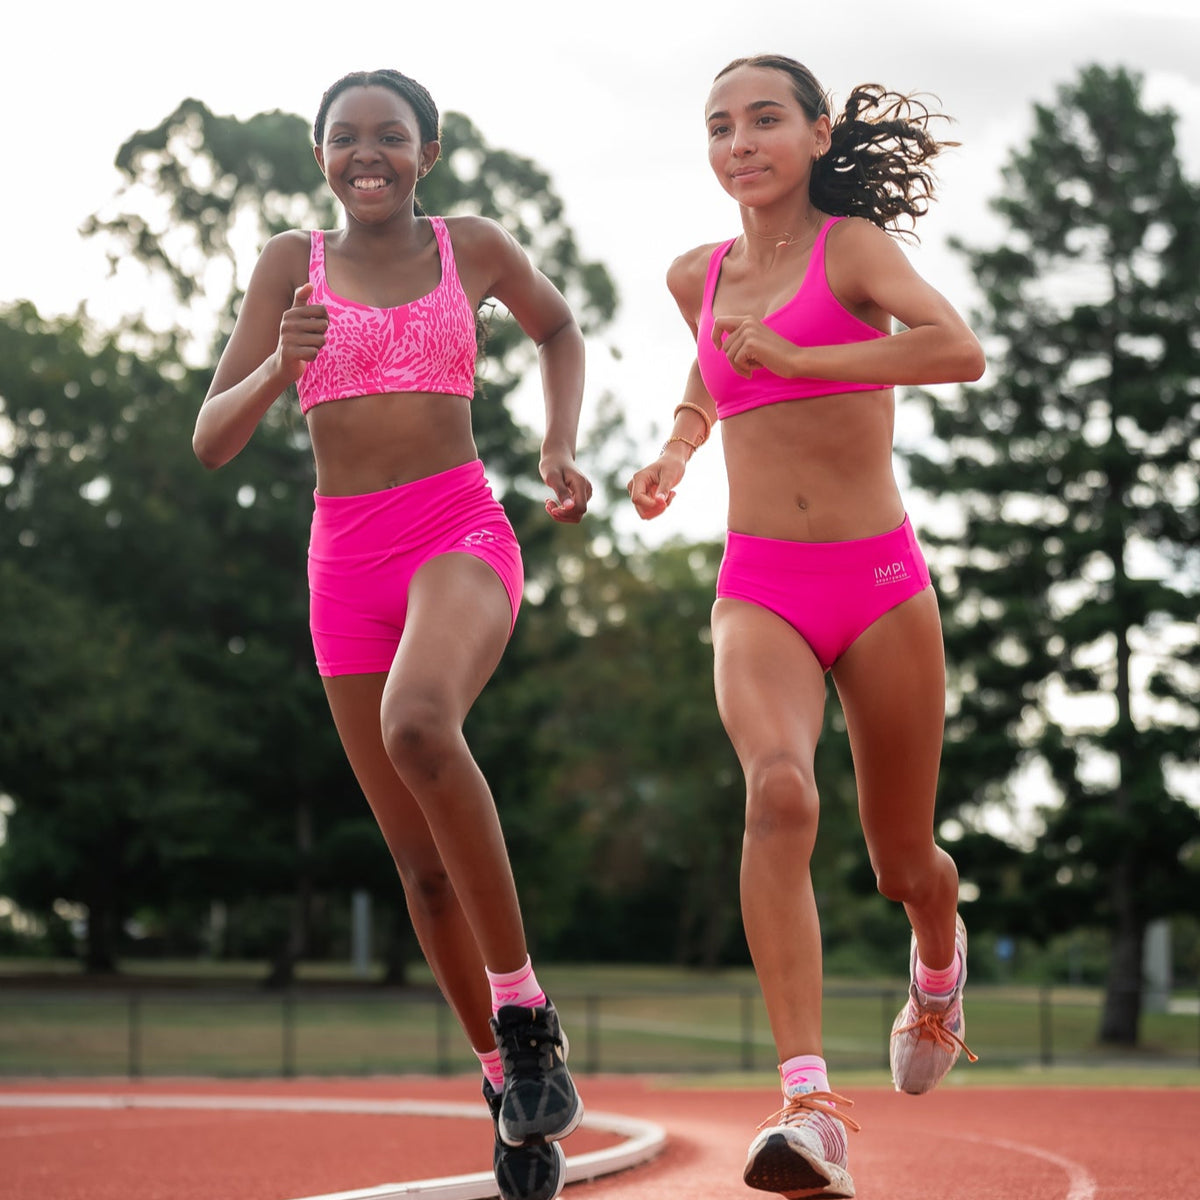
(742,142)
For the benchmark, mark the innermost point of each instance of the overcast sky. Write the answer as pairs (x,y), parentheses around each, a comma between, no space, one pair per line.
(607,98)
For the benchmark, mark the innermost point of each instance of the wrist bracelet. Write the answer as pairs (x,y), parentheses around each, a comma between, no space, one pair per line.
(676,438)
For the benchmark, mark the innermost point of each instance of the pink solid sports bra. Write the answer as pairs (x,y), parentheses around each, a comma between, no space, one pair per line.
(427,345)
(812,317)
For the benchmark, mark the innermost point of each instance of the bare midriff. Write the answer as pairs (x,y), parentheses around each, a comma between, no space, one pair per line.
(814,470)
(369,443)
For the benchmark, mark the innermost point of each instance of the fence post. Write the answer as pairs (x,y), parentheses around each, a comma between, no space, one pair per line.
(591,1016)
(1046,1014)
(442,1026)
(135,1035)
(747,1029)
(289,1034)
(889,1006)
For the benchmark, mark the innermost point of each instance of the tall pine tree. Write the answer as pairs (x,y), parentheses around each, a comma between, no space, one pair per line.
(1071,588)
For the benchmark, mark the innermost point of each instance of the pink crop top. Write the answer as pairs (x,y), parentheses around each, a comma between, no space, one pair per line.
(812,317)
(427,345)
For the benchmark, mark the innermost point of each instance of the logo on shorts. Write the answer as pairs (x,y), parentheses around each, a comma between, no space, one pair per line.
(479,537)
(893,572)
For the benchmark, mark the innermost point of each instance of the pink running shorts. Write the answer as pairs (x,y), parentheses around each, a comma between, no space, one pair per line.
(829,592)
(364,551)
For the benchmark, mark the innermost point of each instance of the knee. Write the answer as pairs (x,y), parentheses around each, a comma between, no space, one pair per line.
(907,875)
(781,798)
(427,890)
(419,737)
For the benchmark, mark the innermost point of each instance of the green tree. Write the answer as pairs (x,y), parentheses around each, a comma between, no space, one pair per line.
(1071,589)
(107,729)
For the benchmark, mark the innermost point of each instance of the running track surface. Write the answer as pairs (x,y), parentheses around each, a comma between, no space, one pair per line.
(954,1144)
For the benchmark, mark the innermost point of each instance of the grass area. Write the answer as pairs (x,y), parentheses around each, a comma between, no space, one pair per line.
(178,1019)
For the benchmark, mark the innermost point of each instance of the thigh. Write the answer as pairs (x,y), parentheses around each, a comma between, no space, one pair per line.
(770,687)
(458,624)
(892,686)
(356,702)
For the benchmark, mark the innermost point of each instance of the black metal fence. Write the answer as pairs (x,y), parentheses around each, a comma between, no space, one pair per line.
(695,1029)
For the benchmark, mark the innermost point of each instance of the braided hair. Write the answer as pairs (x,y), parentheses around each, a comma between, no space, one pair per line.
(428,120)
(880,145)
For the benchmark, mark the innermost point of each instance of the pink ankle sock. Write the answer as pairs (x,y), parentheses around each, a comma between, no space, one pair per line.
(804,1073)
(515,987)
(937,983)
(493,1069)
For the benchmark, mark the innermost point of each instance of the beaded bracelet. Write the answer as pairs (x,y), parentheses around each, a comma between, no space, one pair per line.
(676,438)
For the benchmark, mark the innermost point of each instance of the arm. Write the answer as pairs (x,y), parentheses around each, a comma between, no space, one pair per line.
(543,314)
(653,488)
(276,333)
(869,274)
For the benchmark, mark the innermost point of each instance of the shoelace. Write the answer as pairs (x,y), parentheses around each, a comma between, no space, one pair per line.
(525,1048)
(801,1107)
(929,1025)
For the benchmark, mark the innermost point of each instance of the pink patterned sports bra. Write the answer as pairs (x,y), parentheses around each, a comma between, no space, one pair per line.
(427,345)
(812,317)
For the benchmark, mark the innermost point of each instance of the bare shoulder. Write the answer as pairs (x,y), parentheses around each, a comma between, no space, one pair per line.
(861,240)
(862,259)
(479,235)
(686,276)
(284,259)
(489,259)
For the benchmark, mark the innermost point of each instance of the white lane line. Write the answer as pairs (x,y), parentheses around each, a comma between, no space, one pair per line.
(643,1139)
(1081,1183)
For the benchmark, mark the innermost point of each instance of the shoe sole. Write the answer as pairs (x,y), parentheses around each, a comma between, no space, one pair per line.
(777,1165)
(560,1179)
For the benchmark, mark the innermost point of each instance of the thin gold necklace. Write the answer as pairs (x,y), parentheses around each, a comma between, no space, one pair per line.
(789,239)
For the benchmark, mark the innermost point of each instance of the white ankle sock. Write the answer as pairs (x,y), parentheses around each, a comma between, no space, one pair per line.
(804,1073)
(515,987)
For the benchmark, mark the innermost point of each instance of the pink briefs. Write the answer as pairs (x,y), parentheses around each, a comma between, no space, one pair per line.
(364,551)
(829,592)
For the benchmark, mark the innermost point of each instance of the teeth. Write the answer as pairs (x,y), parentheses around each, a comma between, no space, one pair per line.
(369,185)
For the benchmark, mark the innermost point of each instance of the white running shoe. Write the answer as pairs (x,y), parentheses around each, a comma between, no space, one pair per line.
(800,1151)
(927,1035)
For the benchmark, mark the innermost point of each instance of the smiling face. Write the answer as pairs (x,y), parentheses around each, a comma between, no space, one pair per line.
(371,153)
(761,142)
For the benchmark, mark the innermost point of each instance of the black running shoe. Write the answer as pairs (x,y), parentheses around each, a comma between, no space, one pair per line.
(540,1103)
(533,1172)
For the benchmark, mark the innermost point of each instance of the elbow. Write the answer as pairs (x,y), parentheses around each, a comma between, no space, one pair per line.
(206,453)
(565,334)
(969,361)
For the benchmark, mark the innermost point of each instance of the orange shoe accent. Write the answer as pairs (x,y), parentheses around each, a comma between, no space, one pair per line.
(798,1108)
(929,1027)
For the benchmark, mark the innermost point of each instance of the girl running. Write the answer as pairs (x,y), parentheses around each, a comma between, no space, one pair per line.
(414,573)
(822,571)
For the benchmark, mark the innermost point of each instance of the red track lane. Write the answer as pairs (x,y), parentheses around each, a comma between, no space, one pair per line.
(955,1144)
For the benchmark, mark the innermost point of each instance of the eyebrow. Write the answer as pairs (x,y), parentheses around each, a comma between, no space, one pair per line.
(390,123)
(756,106)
